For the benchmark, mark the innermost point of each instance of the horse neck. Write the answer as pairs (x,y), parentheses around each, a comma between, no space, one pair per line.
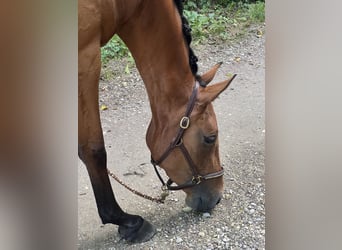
(155,39)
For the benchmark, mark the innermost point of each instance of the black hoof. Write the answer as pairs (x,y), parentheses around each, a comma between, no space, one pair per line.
(142,233)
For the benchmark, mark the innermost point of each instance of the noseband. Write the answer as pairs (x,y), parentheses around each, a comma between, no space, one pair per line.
(177,142)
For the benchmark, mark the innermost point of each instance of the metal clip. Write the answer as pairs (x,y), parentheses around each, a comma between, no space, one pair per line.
(184,122)
(180,142)
(165,192)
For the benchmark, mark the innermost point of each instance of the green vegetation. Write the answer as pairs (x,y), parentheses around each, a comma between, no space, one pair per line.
(209,20)
(256,12)
(222,19)
(115,48)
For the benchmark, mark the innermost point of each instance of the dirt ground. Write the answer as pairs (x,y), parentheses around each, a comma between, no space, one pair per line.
(238,222)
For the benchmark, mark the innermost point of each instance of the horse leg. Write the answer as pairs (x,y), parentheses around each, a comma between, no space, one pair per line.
(92,152)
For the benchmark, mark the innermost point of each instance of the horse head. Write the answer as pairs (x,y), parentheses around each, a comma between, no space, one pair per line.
(191,160)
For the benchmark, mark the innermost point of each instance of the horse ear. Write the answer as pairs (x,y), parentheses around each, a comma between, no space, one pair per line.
(210,93)
(209,75)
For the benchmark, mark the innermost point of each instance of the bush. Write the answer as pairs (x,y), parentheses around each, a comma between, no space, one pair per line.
(256,12)
(208,23)
(115,48)
(217,21)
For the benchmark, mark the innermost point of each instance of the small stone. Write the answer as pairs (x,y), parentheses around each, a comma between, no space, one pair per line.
(179,240)
(202,234)
(186,209)
(226,196)
(252,211)
(206,215)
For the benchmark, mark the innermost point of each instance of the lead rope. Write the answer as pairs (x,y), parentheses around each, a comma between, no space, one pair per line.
(161,199)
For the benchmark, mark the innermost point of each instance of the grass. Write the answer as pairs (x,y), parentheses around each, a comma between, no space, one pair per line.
(208,23)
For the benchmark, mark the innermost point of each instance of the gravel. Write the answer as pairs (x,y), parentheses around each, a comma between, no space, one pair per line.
(238,222)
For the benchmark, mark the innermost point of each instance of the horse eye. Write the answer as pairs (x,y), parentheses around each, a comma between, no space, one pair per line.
(210,139)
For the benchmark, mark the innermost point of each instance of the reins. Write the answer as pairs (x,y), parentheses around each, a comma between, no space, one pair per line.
(177,142)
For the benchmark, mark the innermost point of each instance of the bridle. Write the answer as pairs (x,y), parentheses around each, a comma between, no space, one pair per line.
(177,142)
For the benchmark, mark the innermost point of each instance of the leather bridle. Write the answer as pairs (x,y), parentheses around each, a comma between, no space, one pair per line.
(177,142)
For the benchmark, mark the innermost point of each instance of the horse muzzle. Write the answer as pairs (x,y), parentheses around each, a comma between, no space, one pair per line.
(201,199)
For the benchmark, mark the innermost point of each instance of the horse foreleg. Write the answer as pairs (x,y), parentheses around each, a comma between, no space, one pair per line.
(93,153)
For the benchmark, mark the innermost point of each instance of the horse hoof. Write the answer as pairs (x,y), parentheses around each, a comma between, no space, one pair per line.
(137,235)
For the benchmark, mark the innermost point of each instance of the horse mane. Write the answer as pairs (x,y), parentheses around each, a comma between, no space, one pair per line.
(187,35)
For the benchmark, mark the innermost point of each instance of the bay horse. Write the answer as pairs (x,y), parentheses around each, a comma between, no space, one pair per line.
(182,134)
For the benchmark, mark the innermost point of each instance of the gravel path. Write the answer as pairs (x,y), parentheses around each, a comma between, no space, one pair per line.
(238,222)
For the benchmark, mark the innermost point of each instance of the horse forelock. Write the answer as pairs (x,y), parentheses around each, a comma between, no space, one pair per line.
(187,36)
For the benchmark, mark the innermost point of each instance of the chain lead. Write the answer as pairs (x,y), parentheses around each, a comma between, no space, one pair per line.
(163,195)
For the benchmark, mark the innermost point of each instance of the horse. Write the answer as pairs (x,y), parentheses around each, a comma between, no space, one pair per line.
(182,135)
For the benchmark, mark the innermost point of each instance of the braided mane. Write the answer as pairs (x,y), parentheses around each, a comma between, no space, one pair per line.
(187,35)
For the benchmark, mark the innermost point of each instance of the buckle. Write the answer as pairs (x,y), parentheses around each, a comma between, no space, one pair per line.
(196,179)
(184,122)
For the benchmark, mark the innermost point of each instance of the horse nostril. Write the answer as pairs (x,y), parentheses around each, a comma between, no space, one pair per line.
(218,201)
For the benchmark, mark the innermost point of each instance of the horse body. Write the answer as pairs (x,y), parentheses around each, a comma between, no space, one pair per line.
(152,30)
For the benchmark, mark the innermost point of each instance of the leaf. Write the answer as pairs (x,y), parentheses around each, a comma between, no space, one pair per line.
(127,71)
(259,33)
(103,107)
